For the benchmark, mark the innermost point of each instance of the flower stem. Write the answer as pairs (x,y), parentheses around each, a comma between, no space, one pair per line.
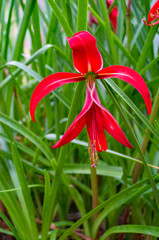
(94,185)
(146,139)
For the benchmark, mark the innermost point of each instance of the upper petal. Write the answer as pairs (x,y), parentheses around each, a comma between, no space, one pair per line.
(50,83)
(130,76)
(86,56)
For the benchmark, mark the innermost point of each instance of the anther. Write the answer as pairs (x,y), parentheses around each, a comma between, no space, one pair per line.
(93,154)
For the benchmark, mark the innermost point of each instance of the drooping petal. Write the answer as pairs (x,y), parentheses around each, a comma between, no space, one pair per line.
(86,56)
(130,76)
(101,139)
(150,24)
(72,132)
(50,83)
(95,129)
(109,122)
(77,125)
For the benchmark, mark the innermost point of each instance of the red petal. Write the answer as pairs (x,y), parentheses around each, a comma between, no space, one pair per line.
(153,12)
(109,122)
(153,15)
(113,15)
(150,24)
(95,129)
(77,125)
(130,76)
(101,139)
(86,56)
(73,131)
(50,83)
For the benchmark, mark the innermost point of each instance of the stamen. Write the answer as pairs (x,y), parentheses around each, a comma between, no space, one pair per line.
(151,15)
(93,154)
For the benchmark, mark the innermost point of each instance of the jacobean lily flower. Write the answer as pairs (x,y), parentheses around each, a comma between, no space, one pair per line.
(88,61)
(112,16)
(153,16)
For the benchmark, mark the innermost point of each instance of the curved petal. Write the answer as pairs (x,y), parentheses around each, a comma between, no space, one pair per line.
(109,122)
(72,132)
(130,76)
(77,125)
(86,56)
(150,24)
(48,84)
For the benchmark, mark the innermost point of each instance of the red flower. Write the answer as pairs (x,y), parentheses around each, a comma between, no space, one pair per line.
(153,16)
(112,16)
(88,61)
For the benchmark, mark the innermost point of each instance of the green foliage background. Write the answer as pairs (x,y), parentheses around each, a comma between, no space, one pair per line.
(40,185)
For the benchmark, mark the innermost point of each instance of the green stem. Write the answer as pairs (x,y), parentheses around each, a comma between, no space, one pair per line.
(94,184)
(146,139)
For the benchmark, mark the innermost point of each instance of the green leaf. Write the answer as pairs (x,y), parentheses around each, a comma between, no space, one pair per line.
(27,133)
(141,229)
(61,18)
(82,15)
(25,191)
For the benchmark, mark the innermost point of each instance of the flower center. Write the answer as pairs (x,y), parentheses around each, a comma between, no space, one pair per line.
(93,154)
(90,75)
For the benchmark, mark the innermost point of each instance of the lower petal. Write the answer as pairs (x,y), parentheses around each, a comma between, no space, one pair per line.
(113,128)
(109,122)
(77,125)
(72,132)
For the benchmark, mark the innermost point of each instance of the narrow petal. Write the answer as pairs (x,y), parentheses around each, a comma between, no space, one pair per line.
(109,122)
(48,84)
(77,125)
(72,132)
(151,24)
(86,56)
(95,129)
(130,76)
(101,139)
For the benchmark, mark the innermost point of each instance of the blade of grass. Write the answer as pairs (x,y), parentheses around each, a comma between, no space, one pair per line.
(27,133)
(66,27)
(113,202)
(141,229)
(25,191)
